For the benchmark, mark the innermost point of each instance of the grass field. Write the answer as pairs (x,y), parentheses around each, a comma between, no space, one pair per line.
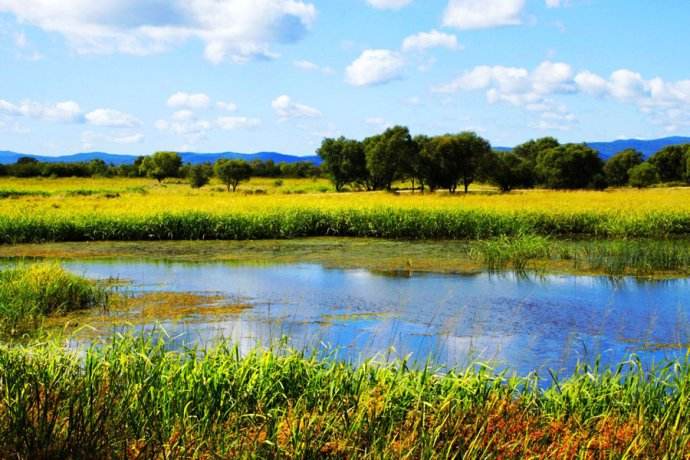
(134,399)
(123,209)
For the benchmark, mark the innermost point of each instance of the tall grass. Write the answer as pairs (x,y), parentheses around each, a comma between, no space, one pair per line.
(112,210)
(381,223)
(133,399)
(30,292)
(634,257)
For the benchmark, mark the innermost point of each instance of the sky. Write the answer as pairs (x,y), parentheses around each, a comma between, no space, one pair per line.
(137,76)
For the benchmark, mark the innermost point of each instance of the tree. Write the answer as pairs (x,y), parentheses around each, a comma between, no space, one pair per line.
(670,162)
(569,166)
(232,172)
(384,154)
(617,167)
(507,171)
(199,175)
(161,165)
(531,149)
(643,175)
(345,161)
(455,158)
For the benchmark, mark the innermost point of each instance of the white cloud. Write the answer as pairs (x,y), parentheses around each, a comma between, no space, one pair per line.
(186,124)
(228,106)
(375,67)
(189,101)
(591,83)
(64,112)
(433,39)
(232,123)
(530,90)
(285,108)
(111,118)
(235,29)
(389,4)
(480,14)
(312,67)
(665,103)
(90,139)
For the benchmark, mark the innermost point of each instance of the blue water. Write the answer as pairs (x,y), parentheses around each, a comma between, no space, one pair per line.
(512,322)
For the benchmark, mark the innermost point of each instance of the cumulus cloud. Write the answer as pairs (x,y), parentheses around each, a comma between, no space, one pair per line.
(481,14)
(111,119)
(235,29)
(666,103)
(531,90)
(389,4)
(433,39)
(375,67)
(285,108)
(64,112)
(189,101)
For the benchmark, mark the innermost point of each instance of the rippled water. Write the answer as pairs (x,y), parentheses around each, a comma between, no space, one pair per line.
(523,324)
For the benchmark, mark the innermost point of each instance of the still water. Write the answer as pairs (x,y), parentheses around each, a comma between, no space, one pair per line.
(512,322)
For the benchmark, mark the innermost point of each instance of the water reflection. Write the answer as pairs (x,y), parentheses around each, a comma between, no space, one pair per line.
(523,324)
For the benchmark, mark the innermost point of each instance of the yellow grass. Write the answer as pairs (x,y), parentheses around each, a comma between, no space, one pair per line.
(172,197)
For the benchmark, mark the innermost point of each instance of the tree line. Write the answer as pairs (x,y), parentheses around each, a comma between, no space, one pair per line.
(159,166)
(451,160)
(429,163)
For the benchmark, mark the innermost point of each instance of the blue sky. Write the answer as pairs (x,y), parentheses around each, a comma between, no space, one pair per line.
(135,76)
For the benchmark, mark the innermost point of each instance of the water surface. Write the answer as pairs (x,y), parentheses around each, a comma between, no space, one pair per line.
(522,324)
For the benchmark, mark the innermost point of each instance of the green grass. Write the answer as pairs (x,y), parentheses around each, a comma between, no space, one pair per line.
(382,223)
(133,399)
(30,292)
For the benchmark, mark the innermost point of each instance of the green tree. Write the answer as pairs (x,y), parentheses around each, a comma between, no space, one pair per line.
(199,175)
(384,154)
(507,171)
(617,167)
(454,159)
(345,161)
(570,166)
(531,149)
(161,165)
(232,172)
(643,175)
(671,162)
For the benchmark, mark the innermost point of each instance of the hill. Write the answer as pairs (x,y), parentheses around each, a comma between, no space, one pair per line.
(606,150)
(7,157)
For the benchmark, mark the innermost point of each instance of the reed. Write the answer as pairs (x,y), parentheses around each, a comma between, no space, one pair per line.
(30,292)
(133,398)
(118,210)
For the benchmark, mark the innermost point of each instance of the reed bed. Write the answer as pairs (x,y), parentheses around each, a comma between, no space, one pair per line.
(30,292)
(175,212)
(132,398)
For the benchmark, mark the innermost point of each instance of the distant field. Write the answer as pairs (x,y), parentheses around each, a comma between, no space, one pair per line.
(36,210)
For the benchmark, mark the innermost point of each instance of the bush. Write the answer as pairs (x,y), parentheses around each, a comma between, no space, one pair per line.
(644,175)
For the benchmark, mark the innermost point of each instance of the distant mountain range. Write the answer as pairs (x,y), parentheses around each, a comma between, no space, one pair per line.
(606,150)
(7,157)
(648,147)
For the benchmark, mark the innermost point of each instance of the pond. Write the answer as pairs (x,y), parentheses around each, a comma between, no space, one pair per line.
(523,324)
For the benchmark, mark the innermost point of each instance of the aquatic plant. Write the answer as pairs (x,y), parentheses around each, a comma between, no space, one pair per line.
(30,292)
(133,398)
